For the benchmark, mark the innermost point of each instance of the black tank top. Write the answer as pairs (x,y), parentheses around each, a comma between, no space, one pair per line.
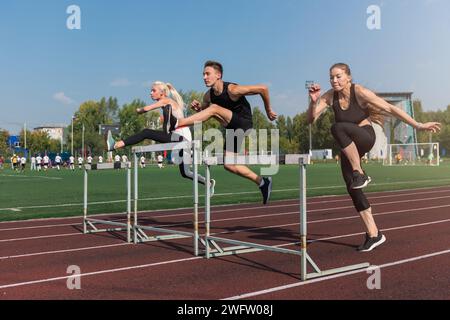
(241,107)
(354,114)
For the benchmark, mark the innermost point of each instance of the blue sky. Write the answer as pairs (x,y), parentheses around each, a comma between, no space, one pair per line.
(47,70)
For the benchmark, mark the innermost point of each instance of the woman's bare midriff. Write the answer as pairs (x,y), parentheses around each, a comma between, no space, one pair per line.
(365,122)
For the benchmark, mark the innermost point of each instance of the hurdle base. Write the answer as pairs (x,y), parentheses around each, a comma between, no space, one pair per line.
(146,238)
(240,247)
(90,227)
(230,251)
(141,236)
(248,247)
(336,270)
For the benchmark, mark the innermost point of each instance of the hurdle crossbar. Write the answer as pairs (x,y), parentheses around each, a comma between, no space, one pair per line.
(90,224)
(213,249)
(139,230)
(241,160)
(162,147)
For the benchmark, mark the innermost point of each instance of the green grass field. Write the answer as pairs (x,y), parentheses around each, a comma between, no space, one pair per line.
(31,195)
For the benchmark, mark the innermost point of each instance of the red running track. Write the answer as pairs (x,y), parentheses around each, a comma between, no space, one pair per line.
(413,263)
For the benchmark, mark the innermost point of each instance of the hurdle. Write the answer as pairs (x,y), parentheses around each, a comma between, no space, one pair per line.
(139,230)
(89,224)
(213,249)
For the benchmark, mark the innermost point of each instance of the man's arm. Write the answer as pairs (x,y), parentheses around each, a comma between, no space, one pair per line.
(197,106)
(238,91)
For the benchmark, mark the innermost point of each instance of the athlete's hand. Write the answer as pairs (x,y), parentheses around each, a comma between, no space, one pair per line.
(140,110)
(430,126)
(315,92)
(196,105)
(271,115)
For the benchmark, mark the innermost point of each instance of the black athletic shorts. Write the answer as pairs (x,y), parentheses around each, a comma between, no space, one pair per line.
(238,121)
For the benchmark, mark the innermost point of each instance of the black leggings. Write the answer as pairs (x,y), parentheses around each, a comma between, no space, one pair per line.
(364,139)
(163,137)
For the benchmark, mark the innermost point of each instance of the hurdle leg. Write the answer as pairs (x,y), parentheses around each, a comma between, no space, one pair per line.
(195,186)
(128,204)
(85,205)
(90,224)
(303,225)
(207,210)
(305,258)
(135,229)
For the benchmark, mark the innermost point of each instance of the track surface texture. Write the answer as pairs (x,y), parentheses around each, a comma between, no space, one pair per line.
(35,256)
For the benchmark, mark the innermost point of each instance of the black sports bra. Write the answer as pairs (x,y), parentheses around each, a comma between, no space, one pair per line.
(354,114)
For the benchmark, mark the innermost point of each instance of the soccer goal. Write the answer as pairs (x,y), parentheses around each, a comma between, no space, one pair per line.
(413,154)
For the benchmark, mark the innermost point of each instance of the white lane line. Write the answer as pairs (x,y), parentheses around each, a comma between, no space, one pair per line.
(216,195)
(269,215)
(43,226)
(246,230)
(99,272)
(32,177)
(296,204)
(44,237)
(62,251)
(21,180)
(329,220)
(311,203)
(252,217)
(340,275)
(198,258)
(361,233)
(221,211)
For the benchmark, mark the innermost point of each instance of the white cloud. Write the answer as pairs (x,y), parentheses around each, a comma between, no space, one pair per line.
(61,97)
(120,82)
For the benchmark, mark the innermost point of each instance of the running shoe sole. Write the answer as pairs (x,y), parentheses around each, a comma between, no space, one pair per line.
(369,180)
(376,244)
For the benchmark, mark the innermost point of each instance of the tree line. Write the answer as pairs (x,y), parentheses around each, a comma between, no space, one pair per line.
(293,131)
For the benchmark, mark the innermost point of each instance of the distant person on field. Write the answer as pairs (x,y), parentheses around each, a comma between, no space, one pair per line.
(58,161)
(33,163)
(160,159)
(46,160)
(23,162)
(72,163)
(39,162)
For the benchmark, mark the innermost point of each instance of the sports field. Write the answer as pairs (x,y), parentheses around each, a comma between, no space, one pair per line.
(31,195)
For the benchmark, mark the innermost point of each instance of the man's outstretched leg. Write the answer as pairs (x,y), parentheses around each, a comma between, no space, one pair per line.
(223,115)
(264,184)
